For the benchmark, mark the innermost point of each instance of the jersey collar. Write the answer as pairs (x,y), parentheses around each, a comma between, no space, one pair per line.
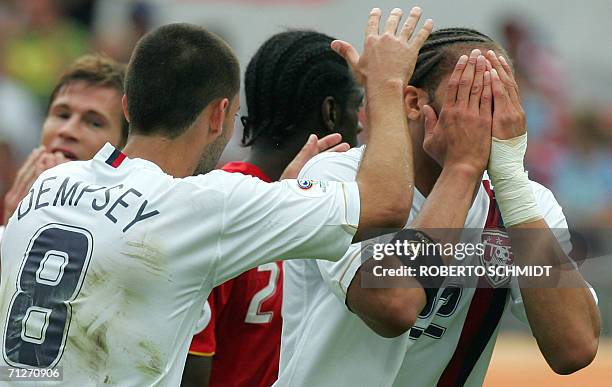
(114,158)
(246,169)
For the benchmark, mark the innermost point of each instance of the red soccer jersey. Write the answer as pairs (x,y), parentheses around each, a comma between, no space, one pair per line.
(245,327)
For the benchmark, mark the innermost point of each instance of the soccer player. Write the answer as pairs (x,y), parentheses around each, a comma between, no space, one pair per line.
(107,263)
(339,333)
(242,341)
(84,113)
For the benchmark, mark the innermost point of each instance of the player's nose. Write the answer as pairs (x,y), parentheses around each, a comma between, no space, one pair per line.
(71,128)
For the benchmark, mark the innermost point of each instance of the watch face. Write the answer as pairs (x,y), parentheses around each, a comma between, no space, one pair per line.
(421,237)
(413,248)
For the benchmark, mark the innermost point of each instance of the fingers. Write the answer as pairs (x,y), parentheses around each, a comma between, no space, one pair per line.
(510,86)
(393,21)
(37,162)
(506,68)
(432,142)
(27,167)
(343,147)
(347,51)
(373,22)
(328,141)
(423,34)
(477,85)
(453,82)
(467,79)
(46,161)
(30,170)
(486,99)
(59,158)
(431,119)
(410,24)
(499,96)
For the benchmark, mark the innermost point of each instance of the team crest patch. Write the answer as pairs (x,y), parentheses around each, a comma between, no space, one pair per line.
(304,183)
(497,252)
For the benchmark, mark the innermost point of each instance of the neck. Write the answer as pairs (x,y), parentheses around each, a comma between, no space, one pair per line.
(273,161)
(168,154)
(427,172)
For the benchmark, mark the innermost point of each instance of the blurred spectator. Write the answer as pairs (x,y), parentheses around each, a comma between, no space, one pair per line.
(20,117)
(81,11)
(118,43)
(582,177)
(541,78)
(43,46)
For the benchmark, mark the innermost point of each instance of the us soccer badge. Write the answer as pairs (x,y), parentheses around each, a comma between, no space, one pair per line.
(497,252)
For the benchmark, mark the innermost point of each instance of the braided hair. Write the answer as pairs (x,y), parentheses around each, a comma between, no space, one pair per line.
(439,55)
(286,82)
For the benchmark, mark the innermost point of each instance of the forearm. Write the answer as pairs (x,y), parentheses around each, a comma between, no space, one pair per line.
(560,308)
(386,176)
(445,211)
(392,310)
(448,203)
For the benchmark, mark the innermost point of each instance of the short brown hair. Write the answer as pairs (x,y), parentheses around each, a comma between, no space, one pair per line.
(175,71)
(96,70)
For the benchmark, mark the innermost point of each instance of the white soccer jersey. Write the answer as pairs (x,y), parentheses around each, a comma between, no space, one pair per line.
(107,263)
(324,344)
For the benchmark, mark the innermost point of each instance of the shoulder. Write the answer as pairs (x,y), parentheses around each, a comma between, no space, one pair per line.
(334,164)
(221,181)
(545,198)
(73,169)
(541,193)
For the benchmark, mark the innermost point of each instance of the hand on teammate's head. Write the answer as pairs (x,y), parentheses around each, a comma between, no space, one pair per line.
(461,135)
(388,56)
(37,162)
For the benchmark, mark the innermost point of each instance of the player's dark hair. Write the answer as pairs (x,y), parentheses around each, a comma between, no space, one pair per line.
(95,70)
(174,73)
(440,53)
(286,82)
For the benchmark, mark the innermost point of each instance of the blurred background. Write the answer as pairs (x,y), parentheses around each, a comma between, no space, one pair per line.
(561,50)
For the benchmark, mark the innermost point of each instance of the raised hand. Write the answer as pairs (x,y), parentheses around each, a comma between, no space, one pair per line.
(390,55)
(314,146)
(461,136)
(37,162)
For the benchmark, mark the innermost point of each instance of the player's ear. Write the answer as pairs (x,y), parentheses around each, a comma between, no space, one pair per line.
(330,113)
(124,104)
(217,117)
(414,98)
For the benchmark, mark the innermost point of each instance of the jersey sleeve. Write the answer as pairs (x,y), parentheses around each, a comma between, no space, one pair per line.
(291,219)
(343,167)
(555,219)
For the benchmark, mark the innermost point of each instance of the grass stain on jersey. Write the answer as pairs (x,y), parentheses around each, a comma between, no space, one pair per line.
(153,364)
(152,258)
(91,345)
